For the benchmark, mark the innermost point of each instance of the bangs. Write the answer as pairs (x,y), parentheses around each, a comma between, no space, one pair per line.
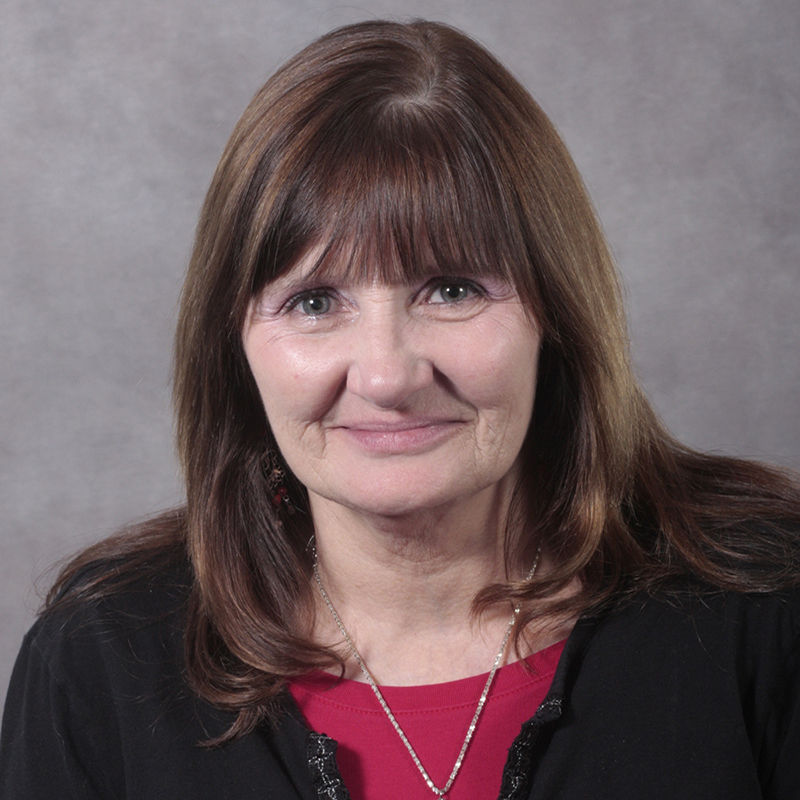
(394,193)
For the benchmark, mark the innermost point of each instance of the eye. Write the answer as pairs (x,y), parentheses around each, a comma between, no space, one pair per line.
(313,303)
(453,291)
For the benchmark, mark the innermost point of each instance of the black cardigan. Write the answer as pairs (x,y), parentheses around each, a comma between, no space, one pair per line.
(669,697)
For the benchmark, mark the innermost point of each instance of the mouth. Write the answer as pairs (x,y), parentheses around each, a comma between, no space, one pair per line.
(399,437)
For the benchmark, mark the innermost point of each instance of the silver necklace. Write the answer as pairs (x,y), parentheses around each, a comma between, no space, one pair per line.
(441,793)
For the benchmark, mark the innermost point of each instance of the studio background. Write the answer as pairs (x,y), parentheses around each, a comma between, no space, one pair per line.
(683,116)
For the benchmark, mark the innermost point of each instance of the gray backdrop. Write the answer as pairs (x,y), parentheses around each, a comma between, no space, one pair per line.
(682,115)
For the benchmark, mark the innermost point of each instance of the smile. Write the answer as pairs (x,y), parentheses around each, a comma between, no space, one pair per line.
(398,438)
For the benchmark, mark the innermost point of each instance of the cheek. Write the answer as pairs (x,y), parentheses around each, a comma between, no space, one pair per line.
(296,383)
(498,369)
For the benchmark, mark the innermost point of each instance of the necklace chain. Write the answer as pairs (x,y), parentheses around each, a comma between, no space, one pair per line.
(441,793)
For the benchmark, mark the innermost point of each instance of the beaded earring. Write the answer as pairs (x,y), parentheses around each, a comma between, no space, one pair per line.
(276,476)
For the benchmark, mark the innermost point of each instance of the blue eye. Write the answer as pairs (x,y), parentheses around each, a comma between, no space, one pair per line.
(315,304)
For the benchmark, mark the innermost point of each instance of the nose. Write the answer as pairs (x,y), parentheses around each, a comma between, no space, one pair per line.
(388,364)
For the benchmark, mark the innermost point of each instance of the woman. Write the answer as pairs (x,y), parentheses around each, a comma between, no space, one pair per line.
(430,516)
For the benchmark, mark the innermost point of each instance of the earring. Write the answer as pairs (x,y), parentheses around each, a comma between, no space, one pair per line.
(276,476)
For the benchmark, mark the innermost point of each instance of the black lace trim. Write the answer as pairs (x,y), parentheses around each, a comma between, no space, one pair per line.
(321,752)
(518,772)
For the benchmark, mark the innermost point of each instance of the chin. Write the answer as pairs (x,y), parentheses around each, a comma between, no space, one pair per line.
(404,496)
(393,504)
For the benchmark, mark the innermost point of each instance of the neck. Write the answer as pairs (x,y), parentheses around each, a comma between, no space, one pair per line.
(404,588)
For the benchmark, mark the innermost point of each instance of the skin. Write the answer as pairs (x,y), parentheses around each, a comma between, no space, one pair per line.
(402,408)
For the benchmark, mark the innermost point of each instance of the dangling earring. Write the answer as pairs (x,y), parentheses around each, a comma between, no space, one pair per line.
(276,476)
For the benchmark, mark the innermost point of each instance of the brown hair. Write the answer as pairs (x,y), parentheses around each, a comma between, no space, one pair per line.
(383,144)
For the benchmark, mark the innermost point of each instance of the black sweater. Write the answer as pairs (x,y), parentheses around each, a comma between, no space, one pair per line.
(665,698)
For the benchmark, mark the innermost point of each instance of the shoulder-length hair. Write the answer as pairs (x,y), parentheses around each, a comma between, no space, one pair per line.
(382,145)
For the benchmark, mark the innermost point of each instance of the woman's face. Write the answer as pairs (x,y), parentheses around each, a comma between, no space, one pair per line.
(393,398)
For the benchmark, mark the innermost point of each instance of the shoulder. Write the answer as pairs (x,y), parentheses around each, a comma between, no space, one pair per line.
(126,594)
(724,618)
(725,635)
(87,671)
(88,655)
(708,679)
(100,707)
(143,615)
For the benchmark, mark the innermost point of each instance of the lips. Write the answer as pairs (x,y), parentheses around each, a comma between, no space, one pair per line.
(400,436)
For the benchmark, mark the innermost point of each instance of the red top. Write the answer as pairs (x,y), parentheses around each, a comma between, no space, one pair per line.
(374,762)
